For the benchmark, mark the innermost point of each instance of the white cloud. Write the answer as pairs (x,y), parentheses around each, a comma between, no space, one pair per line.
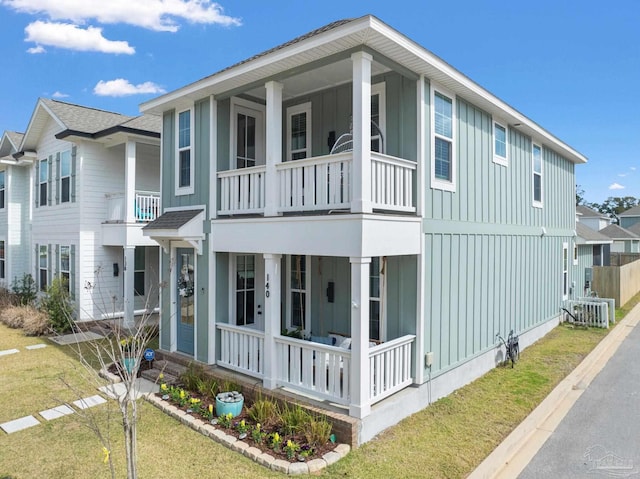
(37,49)
(122,87)
(66,35)
(632,168)
(622,175)
(59,94)
(616,186)
(160,15)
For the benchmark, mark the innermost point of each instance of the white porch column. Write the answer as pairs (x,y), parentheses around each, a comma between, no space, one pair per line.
(272,316)
(129,296)
(130,182)
(360,402)
(273,146)
(361,173)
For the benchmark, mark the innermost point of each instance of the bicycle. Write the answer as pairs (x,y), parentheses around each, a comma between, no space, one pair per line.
(512,347)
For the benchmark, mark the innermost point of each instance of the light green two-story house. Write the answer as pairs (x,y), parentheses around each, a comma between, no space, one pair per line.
(351,188)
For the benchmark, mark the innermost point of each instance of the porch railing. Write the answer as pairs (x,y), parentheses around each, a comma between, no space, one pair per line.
(390,367)
(315,368)
(241,349)
(242,191)
(146,207)
(590,312)
(318,183)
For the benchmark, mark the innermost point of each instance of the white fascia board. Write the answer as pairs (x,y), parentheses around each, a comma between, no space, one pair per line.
(32,121)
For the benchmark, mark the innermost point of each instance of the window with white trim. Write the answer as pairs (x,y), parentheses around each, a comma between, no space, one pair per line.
(565,270)
(298,299)
(138,270)
(245,289)
(536,159)
(443,140)
(500,144)
(299,131)
(2,259)
(378,117)
(575,254)
(377,329)
(184,156)
(2,188)
(43,262)
(65,265)
(44,180)
(65,176)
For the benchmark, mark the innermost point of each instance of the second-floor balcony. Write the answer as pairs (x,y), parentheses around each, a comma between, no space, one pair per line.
(146,207)
(322,183)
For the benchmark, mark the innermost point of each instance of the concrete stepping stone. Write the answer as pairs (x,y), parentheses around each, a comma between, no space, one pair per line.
(37,346)
(75,338)
(143,387)
(56,412)
(91,401)
(6,352)
(19,424)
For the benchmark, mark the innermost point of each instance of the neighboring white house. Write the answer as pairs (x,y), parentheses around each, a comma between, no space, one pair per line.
(624,240)
(353,189)
(85,182)
(591,218)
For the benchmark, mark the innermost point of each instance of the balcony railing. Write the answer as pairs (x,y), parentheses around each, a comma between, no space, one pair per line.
(146,209)
(316,184)
(390,367)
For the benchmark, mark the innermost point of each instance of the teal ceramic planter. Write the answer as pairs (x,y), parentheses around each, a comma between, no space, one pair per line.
(231,402)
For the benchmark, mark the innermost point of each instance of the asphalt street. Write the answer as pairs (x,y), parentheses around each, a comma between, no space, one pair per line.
(600,435)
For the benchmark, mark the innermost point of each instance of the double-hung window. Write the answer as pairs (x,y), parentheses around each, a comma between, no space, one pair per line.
(537,174)
(298,297)
(65,176)
(43,262)
(376,295)
(184,165)
(500,144)
(565,270)
(44,180)
(65,265)
(443,140)
(2,188)
(378,117)
(299,128)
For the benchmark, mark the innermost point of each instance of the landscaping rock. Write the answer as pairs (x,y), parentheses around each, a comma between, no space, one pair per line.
(239,446)
(280,466)
(297,468)
(266,459)
(332,457)
(252,453)
(316,465)
(342,449)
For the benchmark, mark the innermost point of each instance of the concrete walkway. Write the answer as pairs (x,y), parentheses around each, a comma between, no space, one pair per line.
(515,453)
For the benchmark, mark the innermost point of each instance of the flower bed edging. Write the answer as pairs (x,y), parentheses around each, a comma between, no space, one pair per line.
(253,453)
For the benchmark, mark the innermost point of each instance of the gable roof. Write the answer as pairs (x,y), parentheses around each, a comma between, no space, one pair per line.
(586,235)
(635,211)
(9,143)
(173,220)
(617,232)
(306,57)
(587,212)
(82,121)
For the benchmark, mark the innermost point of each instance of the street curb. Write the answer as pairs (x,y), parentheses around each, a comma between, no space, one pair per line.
(510,458)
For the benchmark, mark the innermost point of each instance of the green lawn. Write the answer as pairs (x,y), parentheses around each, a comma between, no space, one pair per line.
(448,439)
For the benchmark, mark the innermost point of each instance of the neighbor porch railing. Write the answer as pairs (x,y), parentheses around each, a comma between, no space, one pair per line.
(318,183)
(314,368)
(241,349)
(146,207)
(390,367)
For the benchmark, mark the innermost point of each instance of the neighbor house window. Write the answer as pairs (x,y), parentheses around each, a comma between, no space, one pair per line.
(44,179)
(65,176)
(565,270)
(184,166)
(245,289)
(65,265)
(138,274)
(2,260)
(500,144)
(298,297)
(2,188)
(299,128)
(443,166)
(537,174)
(376,293)
(42,267)
(575,254)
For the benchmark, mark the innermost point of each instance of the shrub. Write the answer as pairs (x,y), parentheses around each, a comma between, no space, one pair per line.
(57,304)
(7,298)
(12,317)
(25,289)
(35,322)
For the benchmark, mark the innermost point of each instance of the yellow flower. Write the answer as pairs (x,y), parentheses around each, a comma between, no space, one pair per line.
(194,400)
(276,437)
(123,342)
(182,394)
(106,453)
(163,387)
(160,376)
(210,408)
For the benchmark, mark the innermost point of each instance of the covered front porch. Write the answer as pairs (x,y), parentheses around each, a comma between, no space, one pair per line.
(338,329)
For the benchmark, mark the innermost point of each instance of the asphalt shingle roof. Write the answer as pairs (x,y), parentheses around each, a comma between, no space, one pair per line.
(618,233)
(587,212)
(84,119)
(15,137)
(172,220)
(589,234)
(635,211)
(145,122)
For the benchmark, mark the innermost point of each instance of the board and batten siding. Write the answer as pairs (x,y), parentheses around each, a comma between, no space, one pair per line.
(493,261)
(17,206)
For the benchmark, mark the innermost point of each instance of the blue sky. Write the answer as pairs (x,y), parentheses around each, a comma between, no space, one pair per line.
(573,67)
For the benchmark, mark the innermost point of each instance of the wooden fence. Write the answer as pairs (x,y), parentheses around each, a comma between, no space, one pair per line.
(618,282)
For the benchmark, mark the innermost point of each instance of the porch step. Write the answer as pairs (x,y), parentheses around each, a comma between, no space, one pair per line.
(153,374)
(168,369)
